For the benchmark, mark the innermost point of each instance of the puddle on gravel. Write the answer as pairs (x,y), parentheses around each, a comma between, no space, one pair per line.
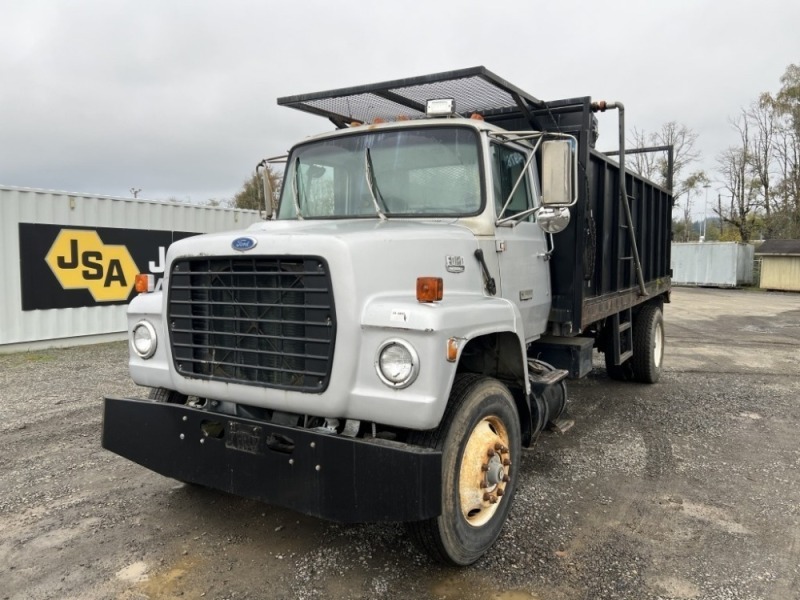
(709,514)
(172,582)
(514,595)
(751,415)
(135,573)
(456,588)
(675,587)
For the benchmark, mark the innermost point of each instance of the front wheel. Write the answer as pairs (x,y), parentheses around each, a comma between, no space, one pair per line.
(480,440)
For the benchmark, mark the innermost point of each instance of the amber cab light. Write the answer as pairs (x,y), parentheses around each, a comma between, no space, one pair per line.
(429,289)
(144,282)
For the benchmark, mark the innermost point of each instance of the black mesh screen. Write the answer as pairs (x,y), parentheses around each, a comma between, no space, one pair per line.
(472,94)
(363,107)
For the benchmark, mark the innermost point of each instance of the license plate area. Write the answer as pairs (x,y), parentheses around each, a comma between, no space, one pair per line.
(244,438)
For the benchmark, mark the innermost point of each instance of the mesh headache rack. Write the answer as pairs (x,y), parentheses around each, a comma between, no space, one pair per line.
(474,90)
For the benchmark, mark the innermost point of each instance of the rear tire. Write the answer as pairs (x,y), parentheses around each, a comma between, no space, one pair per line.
(648,344)
(479,432)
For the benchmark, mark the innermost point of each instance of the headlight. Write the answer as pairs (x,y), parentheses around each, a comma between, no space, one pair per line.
(397,363)
(143,339)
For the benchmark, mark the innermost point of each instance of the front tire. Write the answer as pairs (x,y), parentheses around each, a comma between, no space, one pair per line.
(480,440)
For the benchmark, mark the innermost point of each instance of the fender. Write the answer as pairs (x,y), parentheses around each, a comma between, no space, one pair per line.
(153,372)
(430,325)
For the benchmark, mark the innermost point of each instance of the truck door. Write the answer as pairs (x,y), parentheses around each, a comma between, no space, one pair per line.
(520,244)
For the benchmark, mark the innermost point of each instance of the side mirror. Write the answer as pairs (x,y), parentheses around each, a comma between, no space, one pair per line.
(558,172)
(553,219)
(266,189)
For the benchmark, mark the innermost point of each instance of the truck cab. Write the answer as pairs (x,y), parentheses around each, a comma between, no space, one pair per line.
(385,344)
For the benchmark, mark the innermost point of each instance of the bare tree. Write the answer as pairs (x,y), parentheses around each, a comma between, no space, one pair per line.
(644,163)
(788,98)
(735,168)
(655,166)
(692,184)
(787,190)
(787,107)
(762,172)
(761,116)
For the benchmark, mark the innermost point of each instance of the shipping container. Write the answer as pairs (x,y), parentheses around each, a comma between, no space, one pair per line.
(70,259)
(712,264)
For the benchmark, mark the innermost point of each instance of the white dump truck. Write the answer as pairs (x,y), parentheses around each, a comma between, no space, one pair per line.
(384,345)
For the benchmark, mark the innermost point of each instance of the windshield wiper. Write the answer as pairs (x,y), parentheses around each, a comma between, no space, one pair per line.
(296,188)
(380,205)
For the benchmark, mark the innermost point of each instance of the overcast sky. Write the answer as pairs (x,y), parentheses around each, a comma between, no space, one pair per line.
(178,98)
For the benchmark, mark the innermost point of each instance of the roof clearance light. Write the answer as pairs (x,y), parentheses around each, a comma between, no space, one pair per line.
(440,107)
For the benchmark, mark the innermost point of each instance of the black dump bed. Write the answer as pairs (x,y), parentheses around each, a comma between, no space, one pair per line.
(593,266)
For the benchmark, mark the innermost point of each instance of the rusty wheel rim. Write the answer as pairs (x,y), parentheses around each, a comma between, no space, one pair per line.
(485,470)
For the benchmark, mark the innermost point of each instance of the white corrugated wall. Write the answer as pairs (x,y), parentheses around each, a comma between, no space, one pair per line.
(720,264)
(22,205)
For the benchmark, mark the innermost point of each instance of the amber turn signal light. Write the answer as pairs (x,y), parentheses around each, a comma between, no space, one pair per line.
(453,344)
(144,282)
(429,289)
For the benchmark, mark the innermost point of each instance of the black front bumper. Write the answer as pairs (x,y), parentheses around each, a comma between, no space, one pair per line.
(328,476)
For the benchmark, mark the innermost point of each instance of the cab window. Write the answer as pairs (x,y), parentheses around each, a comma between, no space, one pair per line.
(507,164)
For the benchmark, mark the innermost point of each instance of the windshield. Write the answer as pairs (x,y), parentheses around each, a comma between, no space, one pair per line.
(433,171)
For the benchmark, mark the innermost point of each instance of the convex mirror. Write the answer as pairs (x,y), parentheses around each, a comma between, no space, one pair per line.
(553,219)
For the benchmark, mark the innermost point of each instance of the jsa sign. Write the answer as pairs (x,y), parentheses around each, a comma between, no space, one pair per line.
(66,267)
(80,260)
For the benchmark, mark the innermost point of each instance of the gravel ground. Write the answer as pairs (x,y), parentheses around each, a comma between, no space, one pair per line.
(685,489)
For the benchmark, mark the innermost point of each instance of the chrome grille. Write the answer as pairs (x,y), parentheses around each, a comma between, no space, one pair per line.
(262,320)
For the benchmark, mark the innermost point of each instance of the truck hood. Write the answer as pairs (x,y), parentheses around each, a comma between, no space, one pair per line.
(367,259)
(371,229)
(372,247)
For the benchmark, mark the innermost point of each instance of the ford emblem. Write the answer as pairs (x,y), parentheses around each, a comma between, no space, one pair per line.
(243,243)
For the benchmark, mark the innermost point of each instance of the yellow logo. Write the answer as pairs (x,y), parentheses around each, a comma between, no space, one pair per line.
(80,260)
